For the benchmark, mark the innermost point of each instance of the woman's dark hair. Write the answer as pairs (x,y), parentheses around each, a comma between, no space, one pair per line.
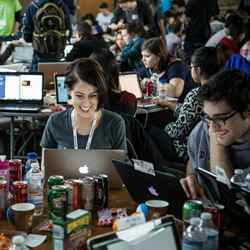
(206,59)
(157,47)
(135,28)
(109,64)
(84,29)
(234,26)
(231,86)
(91,72)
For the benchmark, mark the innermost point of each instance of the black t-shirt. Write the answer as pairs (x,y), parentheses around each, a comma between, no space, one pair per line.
(199,14)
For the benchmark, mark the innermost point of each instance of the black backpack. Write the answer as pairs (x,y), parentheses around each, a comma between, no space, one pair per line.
(50,31)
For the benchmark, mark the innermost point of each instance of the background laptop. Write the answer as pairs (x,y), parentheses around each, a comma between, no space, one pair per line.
(21,92)
(62,96)
(143,186)
(66,162)
(163,236)
(50,69)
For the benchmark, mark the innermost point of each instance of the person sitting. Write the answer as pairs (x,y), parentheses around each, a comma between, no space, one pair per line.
(172,141)
(118,101)
(169,70)
(86,125)
(86,44)
(104,16)
(131,53)
(222,137)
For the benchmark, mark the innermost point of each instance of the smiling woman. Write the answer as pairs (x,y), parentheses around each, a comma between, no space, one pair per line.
(86,125)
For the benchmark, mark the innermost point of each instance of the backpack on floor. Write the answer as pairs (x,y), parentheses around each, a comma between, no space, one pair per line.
(50,31)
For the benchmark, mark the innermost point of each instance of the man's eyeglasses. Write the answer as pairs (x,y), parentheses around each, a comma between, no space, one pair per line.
(220,120)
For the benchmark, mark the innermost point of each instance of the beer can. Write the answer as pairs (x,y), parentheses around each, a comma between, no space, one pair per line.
(55,180)
(58,201)
(15,170)
(3,198)
(101,191)
(20,191)
(69,185)
(87,193)
(191,208)
(76,194)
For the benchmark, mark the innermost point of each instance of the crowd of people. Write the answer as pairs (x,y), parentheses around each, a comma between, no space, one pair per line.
(201,56)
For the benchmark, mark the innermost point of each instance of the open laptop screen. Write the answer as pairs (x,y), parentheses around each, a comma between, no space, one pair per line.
(21,86)
(61,90)
(129,82)
(163,237)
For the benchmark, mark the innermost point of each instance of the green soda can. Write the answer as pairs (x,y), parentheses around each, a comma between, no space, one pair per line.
(58,201)
(55,180)
(191,208)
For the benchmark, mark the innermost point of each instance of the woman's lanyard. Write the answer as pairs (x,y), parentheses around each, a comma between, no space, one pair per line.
(91,133)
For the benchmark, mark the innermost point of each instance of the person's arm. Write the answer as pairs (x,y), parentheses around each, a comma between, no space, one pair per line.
(16,27)
(189,115)
(6,54)
(219,155)
(28,25)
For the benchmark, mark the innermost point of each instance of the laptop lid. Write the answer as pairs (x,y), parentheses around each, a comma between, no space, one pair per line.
(160,234)
(50,69)
(21,88)
(144,186)
(66,162)
(129,82)
(62,95)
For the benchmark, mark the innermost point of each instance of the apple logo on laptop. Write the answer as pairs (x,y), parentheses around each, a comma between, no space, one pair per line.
(153,191)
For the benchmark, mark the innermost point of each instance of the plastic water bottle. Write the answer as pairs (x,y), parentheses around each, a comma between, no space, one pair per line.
(212,242)
(35,188)
(238,178)
(155,80)
(247,181)
(31,158)
(194,237)
(161,90)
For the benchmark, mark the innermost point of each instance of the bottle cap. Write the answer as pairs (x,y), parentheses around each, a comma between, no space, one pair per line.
(206,216)
(195,221)
(238,171)
(32,156)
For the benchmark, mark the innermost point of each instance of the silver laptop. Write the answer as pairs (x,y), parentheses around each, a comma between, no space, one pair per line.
(129,82)
(67,162)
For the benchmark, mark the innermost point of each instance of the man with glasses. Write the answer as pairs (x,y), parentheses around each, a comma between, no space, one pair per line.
(222,138)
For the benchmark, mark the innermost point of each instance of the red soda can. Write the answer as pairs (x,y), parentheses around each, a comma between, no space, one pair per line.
(217,215)
(77,194)
(3,198)
(20,191)
(149,88)
(15,168)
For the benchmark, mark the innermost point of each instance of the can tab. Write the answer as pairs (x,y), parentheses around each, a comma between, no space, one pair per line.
(144,166)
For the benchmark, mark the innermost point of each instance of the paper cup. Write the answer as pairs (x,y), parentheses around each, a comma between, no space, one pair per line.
(156,208)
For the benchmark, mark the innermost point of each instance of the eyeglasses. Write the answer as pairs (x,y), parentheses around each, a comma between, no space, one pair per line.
(219,121)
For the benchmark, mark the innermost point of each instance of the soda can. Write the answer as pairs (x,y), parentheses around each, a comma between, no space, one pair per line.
(149,86)
(191,208)
(20,191)
(55,180)
(76,194)
(87,193)
(3,198)
(58,201)
(101,191)
(69,185)
(217,212)
(15,168)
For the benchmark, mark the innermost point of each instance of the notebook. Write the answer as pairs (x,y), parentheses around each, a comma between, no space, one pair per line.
(62,96)
(21,92)
(66,162)
(160,234)
(50,69)
(144,186)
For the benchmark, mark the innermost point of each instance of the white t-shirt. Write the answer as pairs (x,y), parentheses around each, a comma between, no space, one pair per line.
(172,41)
(216,38)
(104,20)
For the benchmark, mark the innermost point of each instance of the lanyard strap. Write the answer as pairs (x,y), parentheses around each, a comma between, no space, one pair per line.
(91,133)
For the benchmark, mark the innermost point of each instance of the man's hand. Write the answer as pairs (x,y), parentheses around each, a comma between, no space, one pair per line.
(191,187)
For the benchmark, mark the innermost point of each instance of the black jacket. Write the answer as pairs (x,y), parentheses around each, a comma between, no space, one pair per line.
(85,47)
